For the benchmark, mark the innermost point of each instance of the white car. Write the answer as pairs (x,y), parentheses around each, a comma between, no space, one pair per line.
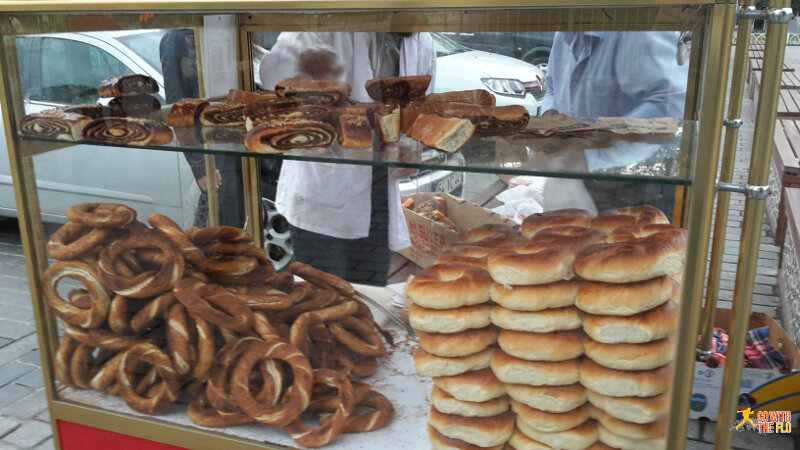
(512,81)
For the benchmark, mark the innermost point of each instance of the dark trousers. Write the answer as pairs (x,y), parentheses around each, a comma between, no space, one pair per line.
(620,194)
(364,260)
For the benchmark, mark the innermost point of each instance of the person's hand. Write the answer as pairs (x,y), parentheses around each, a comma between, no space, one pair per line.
(319,64)
(202,182)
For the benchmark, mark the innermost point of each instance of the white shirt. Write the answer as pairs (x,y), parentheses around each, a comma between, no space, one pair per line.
(334,199)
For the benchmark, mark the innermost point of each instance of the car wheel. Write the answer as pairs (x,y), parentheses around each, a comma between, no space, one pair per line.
(277,239)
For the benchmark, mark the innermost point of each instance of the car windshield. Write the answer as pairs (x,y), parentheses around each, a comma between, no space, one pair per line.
(445,46)
(145,45)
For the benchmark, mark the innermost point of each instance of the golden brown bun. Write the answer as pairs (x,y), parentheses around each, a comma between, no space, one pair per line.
(555,399)
(445,134)
(448,404)
(538,373)
(447,286)
(468,255)
(477,386)
(458,344)
(658,254)
(657,323)
(644,356)
(449,320)
(615,440)
(442,442)
(429,365)
(519,441)
(610,220)
(531,263)
(631,409)
(551,219)
(482,431)
(550,422)
(474,96)
(624,383)
(577,438)
(485,235)
(544,321)
(599,445)
(354,131)
(653,430)
(535,298)
(555,346)
(625,299)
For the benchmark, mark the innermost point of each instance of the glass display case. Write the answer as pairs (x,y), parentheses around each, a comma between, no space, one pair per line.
(159,320)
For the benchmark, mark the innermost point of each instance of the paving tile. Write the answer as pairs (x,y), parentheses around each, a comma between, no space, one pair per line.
(27,407)
(11,393)
(21,347)
(12,371)
(16,312)
(696,445)
(46,445)
(33,358)
(7,425)
(4,342)
(44,416)
(15,330)
(33,379)
(29,434)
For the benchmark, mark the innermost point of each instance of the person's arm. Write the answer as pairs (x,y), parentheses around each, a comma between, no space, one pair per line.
(548,102)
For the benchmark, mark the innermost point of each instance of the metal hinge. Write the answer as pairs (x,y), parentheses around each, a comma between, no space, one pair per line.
(733,123)
(754,192)
(771,15)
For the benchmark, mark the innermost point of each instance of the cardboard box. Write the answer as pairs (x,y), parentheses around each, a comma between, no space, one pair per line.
(763,385)
(428,238)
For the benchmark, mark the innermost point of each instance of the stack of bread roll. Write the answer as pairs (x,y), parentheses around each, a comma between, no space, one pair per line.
(451,314)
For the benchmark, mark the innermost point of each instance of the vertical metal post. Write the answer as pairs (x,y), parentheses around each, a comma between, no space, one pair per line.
(751,226)
(719,21)
(211,167)
(726,175)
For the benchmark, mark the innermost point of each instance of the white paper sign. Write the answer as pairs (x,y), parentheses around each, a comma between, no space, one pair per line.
(219,55)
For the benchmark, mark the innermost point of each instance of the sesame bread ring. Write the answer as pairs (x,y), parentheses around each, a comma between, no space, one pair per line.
(158,399)
(477,386)
(214,304)
(101,215)
(610,220)
(551,219)
(555,399)
(446,403)
(657,323)
(202,236)
(550,422)
(333,425)
(453,345)
(481,431)
(555,346)
(625,299)
(576,438)
(447,286)
(538,373)
(449,320)
(544,321)
(467,255)
(442,442)
(625,383)
(644,356)
(430,365)
(635,259)
(173,232)
(631,409)
(74,240)
(535,297)
(92,317)
(358,335)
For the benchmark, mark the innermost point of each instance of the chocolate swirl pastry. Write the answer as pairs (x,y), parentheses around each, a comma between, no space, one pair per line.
(399,89)
(128,84)
(54,124)
(354,131)
(142,105)
(387,121)
(127,131)
(306,112)
(223,115)
(488,120)
(473,96)
(320,92)
(186,112)
(95,111)
(286,136)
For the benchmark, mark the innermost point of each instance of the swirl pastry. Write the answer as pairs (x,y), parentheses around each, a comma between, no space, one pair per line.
(387,121)
(186,112)
(223,115)
(474,97)
(127,131)
(281,137)
(306,112)
(400,89)
(354,131)
(141,105)
(54,124)
(240,96)
(128,84)
(488,120)
(320,92)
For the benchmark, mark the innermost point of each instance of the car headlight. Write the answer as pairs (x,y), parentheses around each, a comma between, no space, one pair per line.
(505,86)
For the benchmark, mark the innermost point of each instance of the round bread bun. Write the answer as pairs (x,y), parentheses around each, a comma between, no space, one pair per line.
(577,438)
(476,386)
(608,221)
(556,346)
(442,442)
(631,409)
(467,255)
(556,399)
(644,356)
(448,286)
(519,441)
(538,373)
(535,298)
(449,320)
(626,299)
(481,431)
(551,219)
(446,403)
(622,383)
(531,263)
(615,440)
(487,231)
(599,445)
(544,321)
(652,430)
(550,422)
(657,323)
(656,255)
(453,345)
(429,365)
